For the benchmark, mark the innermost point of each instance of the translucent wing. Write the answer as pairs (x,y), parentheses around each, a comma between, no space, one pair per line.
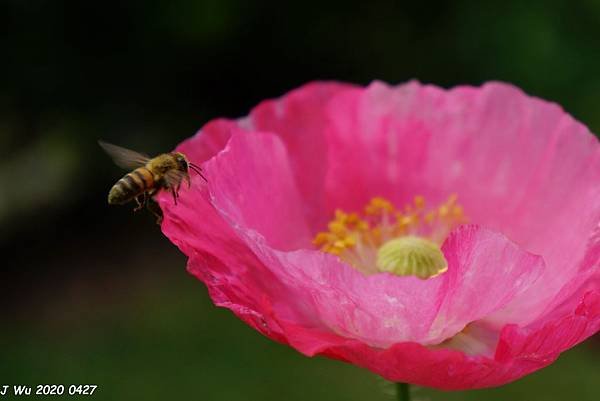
(125,158)
(174,178)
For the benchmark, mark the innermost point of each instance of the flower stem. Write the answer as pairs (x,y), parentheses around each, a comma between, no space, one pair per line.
(403,391)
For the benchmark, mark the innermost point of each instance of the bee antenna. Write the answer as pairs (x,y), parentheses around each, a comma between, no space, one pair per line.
(197,169)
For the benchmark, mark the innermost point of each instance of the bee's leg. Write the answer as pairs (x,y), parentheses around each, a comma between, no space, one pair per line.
(142,203)
(175,194)
(155,209)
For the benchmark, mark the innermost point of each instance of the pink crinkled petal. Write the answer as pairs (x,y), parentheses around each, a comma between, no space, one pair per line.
(209,141)
(299,118)
(554,336)
(235,278)
(520,352)
(252,179)
(486,273)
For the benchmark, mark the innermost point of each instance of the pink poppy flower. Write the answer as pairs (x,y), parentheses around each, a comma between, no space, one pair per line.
(445,238)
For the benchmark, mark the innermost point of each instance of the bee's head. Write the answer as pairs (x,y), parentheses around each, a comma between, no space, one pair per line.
(184,165)
(182,162)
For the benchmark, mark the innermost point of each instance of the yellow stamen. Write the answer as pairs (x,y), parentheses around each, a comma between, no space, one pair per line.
(383,238)
(419,202)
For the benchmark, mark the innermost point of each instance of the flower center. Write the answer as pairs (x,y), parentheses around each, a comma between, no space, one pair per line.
(405,242)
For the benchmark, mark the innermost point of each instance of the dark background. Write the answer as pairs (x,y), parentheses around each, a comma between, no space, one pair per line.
(96,294)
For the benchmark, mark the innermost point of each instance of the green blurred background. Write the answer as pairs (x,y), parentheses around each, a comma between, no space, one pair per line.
(92,294)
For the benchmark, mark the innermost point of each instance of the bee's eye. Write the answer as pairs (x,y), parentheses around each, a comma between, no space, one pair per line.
(181,162)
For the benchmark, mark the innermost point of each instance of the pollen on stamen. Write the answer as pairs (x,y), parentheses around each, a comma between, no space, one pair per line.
(384,238)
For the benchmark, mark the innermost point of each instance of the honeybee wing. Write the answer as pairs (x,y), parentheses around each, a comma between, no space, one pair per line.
(124,158)
(174,178)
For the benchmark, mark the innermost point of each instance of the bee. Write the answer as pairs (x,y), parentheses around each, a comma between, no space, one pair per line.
(148,176)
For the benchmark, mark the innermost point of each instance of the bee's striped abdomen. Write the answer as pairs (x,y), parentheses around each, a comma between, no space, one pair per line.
(131,185)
